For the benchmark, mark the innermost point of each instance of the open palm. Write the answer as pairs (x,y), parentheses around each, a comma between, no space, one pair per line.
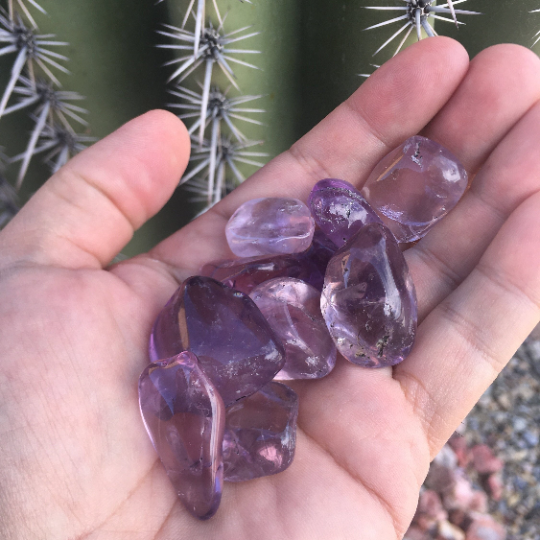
(75,460)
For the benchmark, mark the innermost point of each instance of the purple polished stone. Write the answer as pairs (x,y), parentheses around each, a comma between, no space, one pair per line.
(369,301)
(415,186)
(270,226)
(236,348)
(293,310)
(185,418)
(320,252)
(245,274)
(340,210)
(260,434)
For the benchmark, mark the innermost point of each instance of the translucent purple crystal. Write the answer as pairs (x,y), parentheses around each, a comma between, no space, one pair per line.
(236,348)
(270,226)
(260,434)
(415,186)
(292,308)
(369,301)
(339,209)
(185,417)
(245,274)
(320,252)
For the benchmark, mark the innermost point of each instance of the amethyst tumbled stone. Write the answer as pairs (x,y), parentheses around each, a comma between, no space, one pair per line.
(245,274)
(339,209)
(236,348)
(369,301)
(185,417)
(260,434)
(292,308)
(415,186)
(270,226)
(318,255)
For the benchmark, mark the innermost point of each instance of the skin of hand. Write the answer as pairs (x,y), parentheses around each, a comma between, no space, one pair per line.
(76,462)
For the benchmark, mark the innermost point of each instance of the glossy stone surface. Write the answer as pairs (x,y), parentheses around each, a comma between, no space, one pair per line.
(339,209)
(415,186)
(260,434)
(369,301)
(292,308)
(236,348)
(245,274)
(185,418)
(270,226)
(320,252)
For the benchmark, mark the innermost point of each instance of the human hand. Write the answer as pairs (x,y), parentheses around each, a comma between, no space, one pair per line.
(76,462)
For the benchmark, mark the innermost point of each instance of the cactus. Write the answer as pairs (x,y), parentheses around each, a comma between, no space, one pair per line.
(8,197)
(416,16)
(214,171)
(312,53)
(32,79)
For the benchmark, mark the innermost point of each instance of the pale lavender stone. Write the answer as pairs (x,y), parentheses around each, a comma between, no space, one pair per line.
(339,209)
(270,226)
(369,301)
(245,274)
(236,348)
(185,418)
(292,308)
(260,434)
(415,186)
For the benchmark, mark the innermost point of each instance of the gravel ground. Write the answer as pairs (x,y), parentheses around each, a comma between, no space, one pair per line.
(507,419)
(485,483)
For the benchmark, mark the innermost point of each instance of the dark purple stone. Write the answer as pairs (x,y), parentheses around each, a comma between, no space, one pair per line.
(185,418)
(245,274)
(236,348)
(339,209)
(320,252)
(369,301)
(415,186)
(260,434)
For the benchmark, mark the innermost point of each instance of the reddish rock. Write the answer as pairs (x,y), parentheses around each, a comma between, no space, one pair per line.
(484,527)
(459,518)
(494,486)
(462,493)
(479,502)
(416,533)
(446,457)
(484,461)
(447,531)
(430,510)
(439,478)
(460,448)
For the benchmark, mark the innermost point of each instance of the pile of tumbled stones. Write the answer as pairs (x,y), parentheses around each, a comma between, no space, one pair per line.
(311,281)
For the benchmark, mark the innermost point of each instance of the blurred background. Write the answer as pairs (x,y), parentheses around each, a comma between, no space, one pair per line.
(311,55)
